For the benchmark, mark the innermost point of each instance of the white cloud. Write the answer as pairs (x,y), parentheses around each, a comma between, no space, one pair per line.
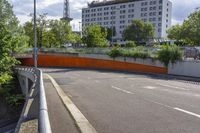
(54,8)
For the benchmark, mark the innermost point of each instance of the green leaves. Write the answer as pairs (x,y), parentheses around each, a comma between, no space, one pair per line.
(94,36)
(169,53)
(188,32)
(138,31)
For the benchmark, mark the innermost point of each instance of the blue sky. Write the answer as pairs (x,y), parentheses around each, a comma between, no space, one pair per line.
(54,8)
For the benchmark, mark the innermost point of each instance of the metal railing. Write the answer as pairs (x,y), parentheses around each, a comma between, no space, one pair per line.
(35,108)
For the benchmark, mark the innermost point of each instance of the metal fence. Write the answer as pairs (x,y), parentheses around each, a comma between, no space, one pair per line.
(35,108)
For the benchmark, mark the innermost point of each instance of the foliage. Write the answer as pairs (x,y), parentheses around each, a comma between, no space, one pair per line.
(130,44)
(6,60)
(115,52)
(137,52)
(15,99)
(138,31)
(51,33)
(94,36)
(12,39)
(169,53)
(188,32)
(110,32)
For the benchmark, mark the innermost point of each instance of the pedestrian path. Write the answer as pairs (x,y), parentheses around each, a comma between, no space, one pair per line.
(60,119)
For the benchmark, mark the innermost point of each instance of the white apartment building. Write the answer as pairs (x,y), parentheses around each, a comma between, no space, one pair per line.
(120,13)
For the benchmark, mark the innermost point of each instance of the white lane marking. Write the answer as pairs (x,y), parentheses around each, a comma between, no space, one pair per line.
(188,112)
(197,95)
(125,91)
(150,87)
(97,81)
(175,87)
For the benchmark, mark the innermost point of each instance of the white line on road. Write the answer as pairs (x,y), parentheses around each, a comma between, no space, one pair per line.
(187,112)
(97,81)
(150,87)
(125,91)
(170,86)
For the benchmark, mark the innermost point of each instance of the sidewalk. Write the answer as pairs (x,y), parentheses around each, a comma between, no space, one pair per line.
(60,119)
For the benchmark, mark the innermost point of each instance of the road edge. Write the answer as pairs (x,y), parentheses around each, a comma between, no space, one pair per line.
(80,120)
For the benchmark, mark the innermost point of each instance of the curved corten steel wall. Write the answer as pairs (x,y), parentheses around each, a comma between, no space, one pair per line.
(80,62)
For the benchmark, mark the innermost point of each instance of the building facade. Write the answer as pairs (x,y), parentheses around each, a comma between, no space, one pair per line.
(120,13)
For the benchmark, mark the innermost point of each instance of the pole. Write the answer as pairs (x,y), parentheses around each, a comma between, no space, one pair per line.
(112,28)
(35,37)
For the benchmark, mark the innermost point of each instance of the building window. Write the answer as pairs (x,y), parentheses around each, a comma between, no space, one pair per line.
(160,7)
(131,10)
(160,1)
(160,13)
(122,16)
(113,7)
(131,5)
(106,8)
(131,16)
(123,11)
(159,19)
(123,6)
(159,30)
(122,22)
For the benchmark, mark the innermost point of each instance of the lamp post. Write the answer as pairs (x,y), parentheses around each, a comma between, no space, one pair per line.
(35,37)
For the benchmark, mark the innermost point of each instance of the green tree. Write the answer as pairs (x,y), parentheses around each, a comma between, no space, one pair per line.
(175,32)
(191,28)
(93,36)
(189,31)
(6,60)
(62,30)
(138,31)
(109,31)
(12,39)
(48,39)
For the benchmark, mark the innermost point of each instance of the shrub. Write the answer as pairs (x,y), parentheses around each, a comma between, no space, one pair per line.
(115,52)
(169,53)
(136,53)
(130,44)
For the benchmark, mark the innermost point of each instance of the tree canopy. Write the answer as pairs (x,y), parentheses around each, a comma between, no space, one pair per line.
(95,36)
(138,31)
(189,31)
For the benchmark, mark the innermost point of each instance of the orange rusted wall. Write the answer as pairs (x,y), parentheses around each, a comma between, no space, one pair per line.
(79,62)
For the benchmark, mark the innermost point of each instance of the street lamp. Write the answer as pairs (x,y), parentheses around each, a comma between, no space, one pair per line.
(35,37)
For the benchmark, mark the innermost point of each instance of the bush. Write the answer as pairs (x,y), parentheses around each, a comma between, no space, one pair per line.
(137,53)
(169,53)
(130,44)
(115,52)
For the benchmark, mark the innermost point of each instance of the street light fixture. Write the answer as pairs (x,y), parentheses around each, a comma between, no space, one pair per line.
(35,37)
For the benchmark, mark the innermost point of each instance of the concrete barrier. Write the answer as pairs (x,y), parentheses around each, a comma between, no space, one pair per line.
(185,68)
(95,62)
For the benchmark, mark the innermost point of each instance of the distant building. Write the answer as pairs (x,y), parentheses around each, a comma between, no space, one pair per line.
(66,11)
(120,13)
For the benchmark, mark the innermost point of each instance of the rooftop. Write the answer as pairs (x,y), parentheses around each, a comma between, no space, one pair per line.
(109,2)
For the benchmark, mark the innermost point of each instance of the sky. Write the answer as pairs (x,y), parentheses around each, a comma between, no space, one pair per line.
(54,8)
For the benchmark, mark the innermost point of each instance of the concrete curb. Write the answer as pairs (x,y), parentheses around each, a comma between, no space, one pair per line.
(82,123)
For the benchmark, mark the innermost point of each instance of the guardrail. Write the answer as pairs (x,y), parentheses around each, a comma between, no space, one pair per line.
(35,108)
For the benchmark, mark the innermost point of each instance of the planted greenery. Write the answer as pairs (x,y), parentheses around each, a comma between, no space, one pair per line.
(166,54)
(115,52)
(169,53)
(137,52)
(130,44)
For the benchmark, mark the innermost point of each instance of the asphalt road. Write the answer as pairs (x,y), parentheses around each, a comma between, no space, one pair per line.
(131,103)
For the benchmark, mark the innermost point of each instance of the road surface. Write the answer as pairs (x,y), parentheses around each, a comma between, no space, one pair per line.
(115,102)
